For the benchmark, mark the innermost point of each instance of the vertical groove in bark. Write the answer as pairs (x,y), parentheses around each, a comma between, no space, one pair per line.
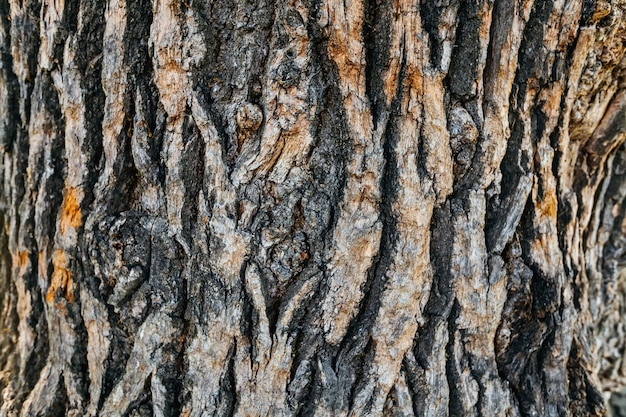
(311,208)
(358,226)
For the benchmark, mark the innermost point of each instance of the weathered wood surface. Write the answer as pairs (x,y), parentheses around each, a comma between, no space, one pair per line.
(312,208)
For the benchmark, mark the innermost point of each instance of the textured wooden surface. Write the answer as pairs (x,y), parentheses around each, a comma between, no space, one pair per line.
(314,208)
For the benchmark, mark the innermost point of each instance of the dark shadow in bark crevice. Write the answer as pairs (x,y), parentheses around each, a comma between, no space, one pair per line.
(376,39)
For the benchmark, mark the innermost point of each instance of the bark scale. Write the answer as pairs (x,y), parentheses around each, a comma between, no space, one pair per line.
(299,207)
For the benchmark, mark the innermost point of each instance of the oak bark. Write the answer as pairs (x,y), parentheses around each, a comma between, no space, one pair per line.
(314,208)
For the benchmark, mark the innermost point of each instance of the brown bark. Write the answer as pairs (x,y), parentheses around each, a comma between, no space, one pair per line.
(313,208)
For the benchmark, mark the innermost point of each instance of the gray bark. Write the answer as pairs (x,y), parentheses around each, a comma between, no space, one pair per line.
(298,207)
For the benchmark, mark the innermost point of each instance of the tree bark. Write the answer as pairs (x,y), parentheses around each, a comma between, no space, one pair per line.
(313,208)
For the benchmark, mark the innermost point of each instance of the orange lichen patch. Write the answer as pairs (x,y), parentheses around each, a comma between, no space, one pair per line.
(61,280)
(71,215)
(549,205)
(20,261)
(602,9)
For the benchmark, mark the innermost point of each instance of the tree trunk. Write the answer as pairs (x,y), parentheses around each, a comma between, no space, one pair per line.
(314,208)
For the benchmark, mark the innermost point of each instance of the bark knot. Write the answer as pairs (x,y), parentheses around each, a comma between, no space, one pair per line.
(249,117)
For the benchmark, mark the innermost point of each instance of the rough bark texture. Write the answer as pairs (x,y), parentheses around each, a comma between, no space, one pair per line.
(314,208)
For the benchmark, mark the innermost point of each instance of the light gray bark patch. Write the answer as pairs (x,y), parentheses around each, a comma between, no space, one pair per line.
(48,165)
(506,208)
(463,138)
